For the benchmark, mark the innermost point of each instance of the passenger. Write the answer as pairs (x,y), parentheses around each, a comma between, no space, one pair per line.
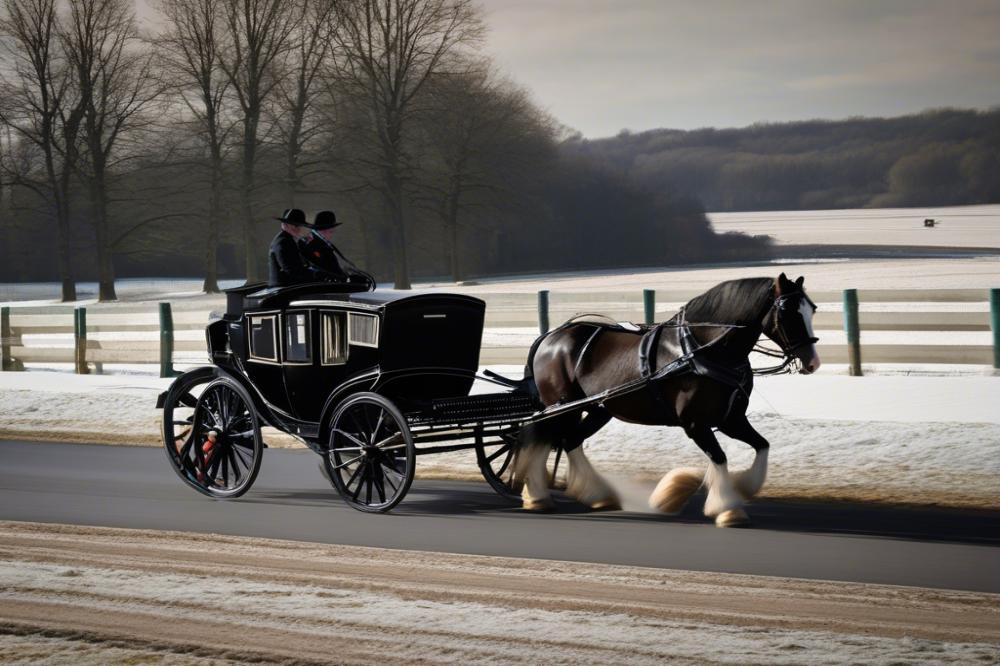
(285,264)
(318,248)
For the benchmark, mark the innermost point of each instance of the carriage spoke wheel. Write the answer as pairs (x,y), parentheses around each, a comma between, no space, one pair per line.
(498,463)
(370,457)
(213,440)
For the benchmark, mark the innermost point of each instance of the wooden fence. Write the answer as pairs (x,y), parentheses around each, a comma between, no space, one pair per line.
(138,334)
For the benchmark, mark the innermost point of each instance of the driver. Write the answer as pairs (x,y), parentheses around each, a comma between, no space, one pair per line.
(318,248)
(285,264)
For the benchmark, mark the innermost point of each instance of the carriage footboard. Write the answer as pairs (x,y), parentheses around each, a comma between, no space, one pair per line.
(507,406)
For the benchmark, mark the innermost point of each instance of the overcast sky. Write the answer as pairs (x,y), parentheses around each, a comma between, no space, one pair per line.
(603,65)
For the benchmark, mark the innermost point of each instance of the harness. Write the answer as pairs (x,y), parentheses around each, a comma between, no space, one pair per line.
(735,373)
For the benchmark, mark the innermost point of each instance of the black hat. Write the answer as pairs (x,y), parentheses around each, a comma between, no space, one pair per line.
(325,219)
(293,216)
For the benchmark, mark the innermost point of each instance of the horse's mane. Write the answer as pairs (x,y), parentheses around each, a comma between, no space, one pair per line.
(731,302)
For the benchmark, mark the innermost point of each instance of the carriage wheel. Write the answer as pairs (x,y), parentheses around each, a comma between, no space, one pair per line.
(371,457)
(498,460)
(213,441)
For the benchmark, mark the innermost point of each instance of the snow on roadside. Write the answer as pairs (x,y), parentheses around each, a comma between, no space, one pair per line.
(887,438)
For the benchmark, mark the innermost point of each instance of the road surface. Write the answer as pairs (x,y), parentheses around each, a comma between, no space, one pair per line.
(135,488)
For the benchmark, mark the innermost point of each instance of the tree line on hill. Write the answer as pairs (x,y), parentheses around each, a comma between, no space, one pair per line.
(168,154)
(935,158)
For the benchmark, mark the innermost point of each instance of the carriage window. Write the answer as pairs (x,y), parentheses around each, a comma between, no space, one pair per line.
(262,339)
(334,338)
(297,338)
(363,330)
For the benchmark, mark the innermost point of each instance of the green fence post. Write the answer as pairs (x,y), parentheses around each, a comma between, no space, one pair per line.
(543,311)
(80,340)
(166,341)
(649,305)
(853,330)
(995,324)
(5,337)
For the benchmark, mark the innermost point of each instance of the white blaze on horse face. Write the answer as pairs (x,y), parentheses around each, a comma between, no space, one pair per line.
(806,310)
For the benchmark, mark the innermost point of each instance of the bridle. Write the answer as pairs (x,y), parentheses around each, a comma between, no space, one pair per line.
(781,306)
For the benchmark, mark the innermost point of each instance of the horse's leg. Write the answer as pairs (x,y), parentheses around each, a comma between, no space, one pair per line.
(723,502)
(748,482)
(532,455)
(583,481)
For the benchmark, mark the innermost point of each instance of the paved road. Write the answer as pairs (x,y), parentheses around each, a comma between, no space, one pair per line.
(134,488)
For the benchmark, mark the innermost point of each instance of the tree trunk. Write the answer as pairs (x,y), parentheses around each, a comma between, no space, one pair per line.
(60,196)
(211,284)
(397,219)
(246,209)
(64,253)
(105,260)
(451,221)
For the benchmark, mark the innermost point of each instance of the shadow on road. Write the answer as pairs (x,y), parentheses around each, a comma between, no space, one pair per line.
(909,523)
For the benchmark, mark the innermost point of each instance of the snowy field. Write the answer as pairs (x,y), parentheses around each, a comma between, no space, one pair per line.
(956,226)
(826,275)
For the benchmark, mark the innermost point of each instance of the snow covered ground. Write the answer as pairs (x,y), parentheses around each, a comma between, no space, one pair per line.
(910,439)
(90,596)
(956,226)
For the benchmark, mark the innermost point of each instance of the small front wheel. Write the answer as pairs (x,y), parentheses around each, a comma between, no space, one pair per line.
(213,441)
(370,456)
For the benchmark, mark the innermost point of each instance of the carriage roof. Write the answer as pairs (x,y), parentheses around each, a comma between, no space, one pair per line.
(258,296)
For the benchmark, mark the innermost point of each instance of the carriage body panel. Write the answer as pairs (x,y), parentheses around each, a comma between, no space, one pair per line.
(302,349)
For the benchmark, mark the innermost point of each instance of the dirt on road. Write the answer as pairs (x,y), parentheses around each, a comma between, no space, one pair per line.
(94,595)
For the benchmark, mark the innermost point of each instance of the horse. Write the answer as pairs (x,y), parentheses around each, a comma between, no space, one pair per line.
(692,371)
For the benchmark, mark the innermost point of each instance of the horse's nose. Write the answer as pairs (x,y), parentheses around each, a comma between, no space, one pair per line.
(814,363)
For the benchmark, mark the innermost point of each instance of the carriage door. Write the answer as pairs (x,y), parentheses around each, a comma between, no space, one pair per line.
(264,359)
(306,378)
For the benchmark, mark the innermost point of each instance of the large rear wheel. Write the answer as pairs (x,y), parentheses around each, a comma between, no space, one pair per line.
(370,457)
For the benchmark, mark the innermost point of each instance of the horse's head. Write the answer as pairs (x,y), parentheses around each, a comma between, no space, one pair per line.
(789,323)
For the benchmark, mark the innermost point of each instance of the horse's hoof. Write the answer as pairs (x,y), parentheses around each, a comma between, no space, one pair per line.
(607,504)
(732,518)
(539,505)
(674,490)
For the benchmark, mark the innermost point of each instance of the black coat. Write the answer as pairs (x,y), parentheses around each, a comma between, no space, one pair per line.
(285,263)
(322,256)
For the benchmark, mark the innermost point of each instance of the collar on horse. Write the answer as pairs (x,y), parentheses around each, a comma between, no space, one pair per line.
(692,357)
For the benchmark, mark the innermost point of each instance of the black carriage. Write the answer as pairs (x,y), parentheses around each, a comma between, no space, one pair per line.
(370,380)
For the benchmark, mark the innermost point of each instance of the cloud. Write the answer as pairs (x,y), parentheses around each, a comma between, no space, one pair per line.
(601,66)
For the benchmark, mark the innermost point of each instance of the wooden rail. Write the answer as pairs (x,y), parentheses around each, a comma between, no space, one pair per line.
(141,334)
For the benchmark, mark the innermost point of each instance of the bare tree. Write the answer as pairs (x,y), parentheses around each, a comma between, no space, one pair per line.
(390,49)
(117,83)
(298,119)
(485,141)
(261,36)
(193,46)
(42,106)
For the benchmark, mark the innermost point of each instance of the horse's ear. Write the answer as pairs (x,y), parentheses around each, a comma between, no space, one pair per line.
(783,284)
(798,283)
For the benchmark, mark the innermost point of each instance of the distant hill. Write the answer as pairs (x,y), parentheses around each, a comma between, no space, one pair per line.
(941,157)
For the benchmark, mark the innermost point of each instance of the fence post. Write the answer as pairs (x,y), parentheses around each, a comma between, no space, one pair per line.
(543,311)
(995,324)
(6,363)
(166,341)
(649,305)
(853,330)
(80,340)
